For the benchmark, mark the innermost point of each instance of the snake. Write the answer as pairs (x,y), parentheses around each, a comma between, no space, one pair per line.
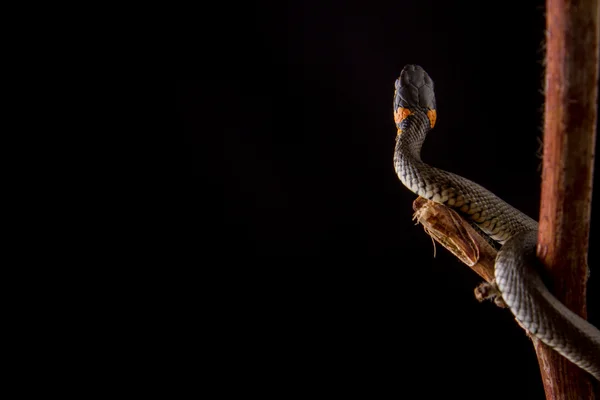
(517,273)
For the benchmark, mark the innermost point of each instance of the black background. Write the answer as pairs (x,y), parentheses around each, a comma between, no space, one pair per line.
(320,283)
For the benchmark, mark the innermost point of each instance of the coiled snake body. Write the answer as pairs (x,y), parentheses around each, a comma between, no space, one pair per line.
(521,288)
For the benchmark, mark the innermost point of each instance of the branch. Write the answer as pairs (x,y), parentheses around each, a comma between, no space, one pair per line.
(453,232)
(569,140)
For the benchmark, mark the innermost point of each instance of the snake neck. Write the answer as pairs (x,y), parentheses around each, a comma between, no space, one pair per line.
(411,135)
(407,155)
(492,215)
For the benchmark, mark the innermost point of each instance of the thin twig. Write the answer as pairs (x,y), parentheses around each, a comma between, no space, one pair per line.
(453,232)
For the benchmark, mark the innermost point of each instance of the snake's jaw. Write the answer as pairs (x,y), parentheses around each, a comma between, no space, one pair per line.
(414,90)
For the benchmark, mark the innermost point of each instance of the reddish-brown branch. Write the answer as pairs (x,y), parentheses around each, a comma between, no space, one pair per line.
(569,140)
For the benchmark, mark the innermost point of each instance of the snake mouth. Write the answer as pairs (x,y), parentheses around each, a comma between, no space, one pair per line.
(414,89)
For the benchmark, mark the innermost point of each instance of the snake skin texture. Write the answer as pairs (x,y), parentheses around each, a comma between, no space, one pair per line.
(521,287)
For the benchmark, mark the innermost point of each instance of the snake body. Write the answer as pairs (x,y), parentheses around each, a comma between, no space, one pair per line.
(520,286)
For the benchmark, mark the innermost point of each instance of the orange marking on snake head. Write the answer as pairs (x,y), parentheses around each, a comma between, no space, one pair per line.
(432,115)
(399,131)
(400,114)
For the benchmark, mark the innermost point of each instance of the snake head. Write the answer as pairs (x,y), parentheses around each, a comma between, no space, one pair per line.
(414,90)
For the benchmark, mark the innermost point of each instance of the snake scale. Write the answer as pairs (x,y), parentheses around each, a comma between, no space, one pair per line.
(520,286)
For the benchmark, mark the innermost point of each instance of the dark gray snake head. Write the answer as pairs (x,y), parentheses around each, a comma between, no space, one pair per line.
(414,90)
